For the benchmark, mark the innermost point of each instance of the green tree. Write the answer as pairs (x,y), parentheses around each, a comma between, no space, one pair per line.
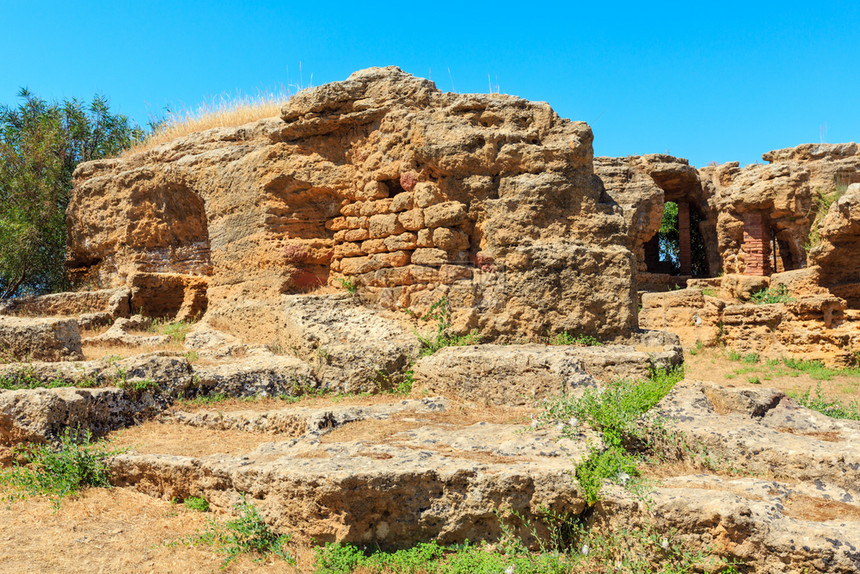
(41,143)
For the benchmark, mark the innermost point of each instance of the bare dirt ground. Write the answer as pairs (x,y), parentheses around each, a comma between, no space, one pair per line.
(121,530)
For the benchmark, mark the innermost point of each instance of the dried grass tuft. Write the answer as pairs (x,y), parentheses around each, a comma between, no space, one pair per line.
(219,112)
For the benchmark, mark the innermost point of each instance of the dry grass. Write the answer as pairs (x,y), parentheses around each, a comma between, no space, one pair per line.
(222,112)
(456,415)
(96,351)
(117,530)
(153,437)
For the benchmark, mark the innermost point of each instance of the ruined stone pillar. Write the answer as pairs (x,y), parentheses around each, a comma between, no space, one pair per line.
(652,253)
(684,246)
(756,244)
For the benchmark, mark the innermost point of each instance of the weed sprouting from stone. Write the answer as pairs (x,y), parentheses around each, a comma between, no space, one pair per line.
(348,285)
(617,412)
(176,330)
(441,313)
(771,295)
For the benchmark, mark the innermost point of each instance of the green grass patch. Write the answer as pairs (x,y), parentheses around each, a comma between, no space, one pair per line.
(60,470)
(176,330)
(565,338)
(623,551)
(771,295)
(818,371)
(617,412)
(833,408)
(248,534)
(196,503)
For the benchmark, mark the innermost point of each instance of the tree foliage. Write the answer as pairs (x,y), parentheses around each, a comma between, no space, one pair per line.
(669,241)
(41,143)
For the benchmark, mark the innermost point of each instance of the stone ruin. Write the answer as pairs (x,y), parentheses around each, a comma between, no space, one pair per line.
(494,206)
(759,227)
(382,180)
(494,203)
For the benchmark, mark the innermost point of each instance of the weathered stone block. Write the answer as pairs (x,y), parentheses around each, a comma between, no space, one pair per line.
(31,339)
(413,220)
(446,214)
(384,225)
(429,256)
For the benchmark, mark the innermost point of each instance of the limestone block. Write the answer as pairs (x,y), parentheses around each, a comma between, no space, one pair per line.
(402,241)
(429,256)
(384,225)
(450,239)
(413,220)
(446,214)
(32,339)
(426,194)
(402,202)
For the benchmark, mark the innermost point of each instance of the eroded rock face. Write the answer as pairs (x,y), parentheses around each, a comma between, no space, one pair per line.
(838,253)
(810,322)
(42,415)
(526,374)
(785,192)
(409,193)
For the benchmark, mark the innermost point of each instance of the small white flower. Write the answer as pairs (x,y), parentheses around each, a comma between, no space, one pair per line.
(585,549)
(560,426)
(623,477)
(573,421)
(535,424)
(511,569)
(665,544)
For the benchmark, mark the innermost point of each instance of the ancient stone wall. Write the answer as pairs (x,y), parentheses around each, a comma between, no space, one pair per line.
(382,183)
(783,194)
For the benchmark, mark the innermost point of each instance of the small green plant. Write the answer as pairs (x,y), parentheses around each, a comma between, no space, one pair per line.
(754,380)
(432,342)
(197,503)
(111,359)
(404,387)
(709,292)
(136,388)
(833,408)
(817,370)
(323,355)
(176,330)
(192,356)
(821,203)
(276,349)
(771,295)
(348,284)
(734,356)
(246,534)
(616,412)
(63,469)
(565,338)
(613,463)
(751,358)
(697,348)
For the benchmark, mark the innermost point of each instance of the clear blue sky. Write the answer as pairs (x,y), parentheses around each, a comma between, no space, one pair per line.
(709,81)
